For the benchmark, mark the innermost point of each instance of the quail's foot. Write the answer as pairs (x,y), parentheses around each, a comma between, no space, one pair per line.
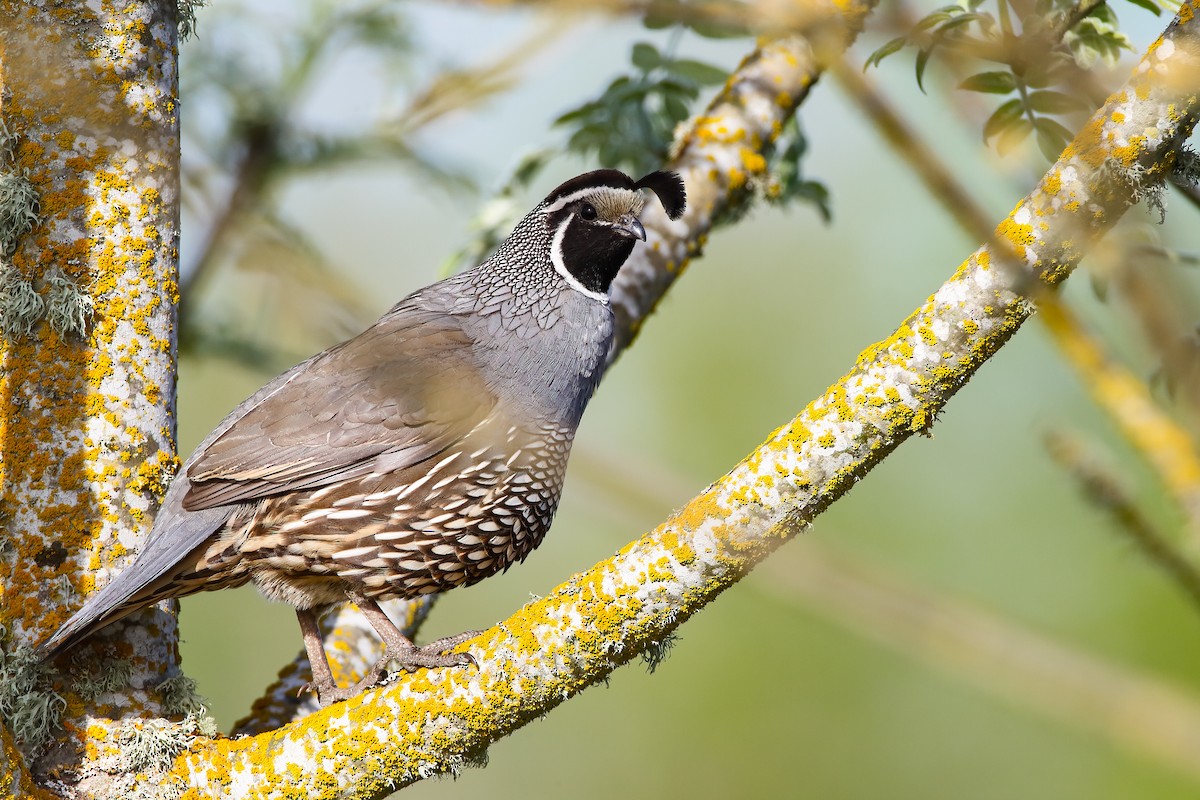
(433,654)
(409,658)
(398,650)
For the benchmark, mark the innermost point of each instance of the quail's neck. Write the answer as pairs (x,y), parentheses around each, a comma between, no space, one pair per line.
(519,283)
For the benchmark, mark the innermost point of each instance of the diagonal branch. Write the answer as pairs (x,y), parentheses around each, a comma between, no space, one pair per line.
(721,156)
(1163,443)
(1104,489)
(434,721)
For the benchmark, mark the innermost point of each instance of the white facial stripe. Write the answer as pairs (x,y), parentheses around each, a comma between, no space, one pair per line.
(602,196)
(571,198)
(556,258)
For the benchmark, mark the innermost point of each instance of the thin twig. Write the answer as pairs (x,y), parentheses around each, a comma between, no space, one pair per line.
(1138,713)
(1106,492)
(1164,444)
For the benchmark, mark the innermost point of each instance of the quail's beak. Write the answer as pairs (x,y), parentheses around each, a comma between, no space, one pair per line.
(631,226)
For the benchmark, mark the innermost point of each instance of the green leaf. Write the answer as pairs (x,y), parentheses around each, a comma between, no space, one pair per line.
(1096,38)
(957,22)
(1048,102)
(618,84)
(531,165)
(699,72)
(879,55)
(645,56)
(1104,13)
(817,194)
(676,109)
(990,82)
(576,113)
(1061,132)
(922,61)
(1149,5)
(1049,140)
(1013,135)
(932,20)
(678,87)
(712,30)
(1003,118)
(654,21)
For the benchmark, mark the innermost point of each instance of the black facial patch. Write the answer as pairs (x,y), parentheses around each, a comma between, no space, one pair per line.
(594,252)
(591,247)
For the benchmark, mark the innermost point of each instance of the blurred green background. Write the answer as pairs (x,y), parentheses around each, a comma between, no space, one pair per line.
(771,692)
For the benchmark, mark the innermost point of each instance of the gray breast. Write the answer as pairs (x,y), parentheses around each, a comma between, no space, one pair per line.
(548,363)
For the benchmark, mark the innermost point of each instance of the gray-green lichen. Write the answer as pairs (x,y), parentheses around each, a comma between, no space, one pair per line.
(28,706)
(180,698)
(145,751)
(151,744)
(1186,169)
(657,651)
(20,305)
(187,17)
(18,210)
(1140,184)
(92,678)
(68,309)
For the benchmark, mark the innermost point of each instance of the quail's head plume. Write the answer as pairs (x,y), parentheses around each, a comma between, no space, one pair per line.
(426,453)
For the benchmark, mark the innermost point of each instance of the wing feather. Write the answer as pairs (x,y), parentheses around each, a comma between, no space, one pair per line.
(400,392)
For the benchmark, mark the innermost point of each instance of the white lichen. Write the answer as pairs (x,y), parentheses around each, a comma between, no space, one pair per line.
(180,698)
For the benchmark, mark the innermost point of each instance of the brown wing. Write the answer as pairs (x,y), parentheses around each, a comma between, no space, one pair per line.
(402,391)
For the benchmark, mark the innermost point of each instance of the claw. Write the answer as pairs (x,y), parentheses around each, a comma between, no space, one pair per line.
(397,649)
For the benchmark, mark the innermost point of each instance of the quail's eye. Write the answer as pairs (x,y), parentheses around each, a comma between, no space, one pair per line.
(587,211)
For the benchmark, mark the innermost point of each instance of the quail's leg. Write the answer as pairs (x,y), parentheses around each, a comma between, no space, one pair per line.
(397,647)
(327,691)
(400,649)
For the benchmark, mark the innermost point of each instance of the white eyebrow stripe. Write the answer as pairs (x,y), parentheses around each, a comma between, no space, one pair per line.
(556,258)
(579,195)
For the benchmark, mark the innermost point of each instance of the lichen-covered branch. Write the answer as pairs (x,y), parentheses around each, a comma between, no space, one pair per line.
(1165,444)
(353,646)
(86,434)
(1136,711)
(436,720)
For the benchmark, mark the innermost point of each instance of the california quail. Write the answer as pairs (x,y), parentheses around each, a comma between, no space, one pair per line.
(426,453)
